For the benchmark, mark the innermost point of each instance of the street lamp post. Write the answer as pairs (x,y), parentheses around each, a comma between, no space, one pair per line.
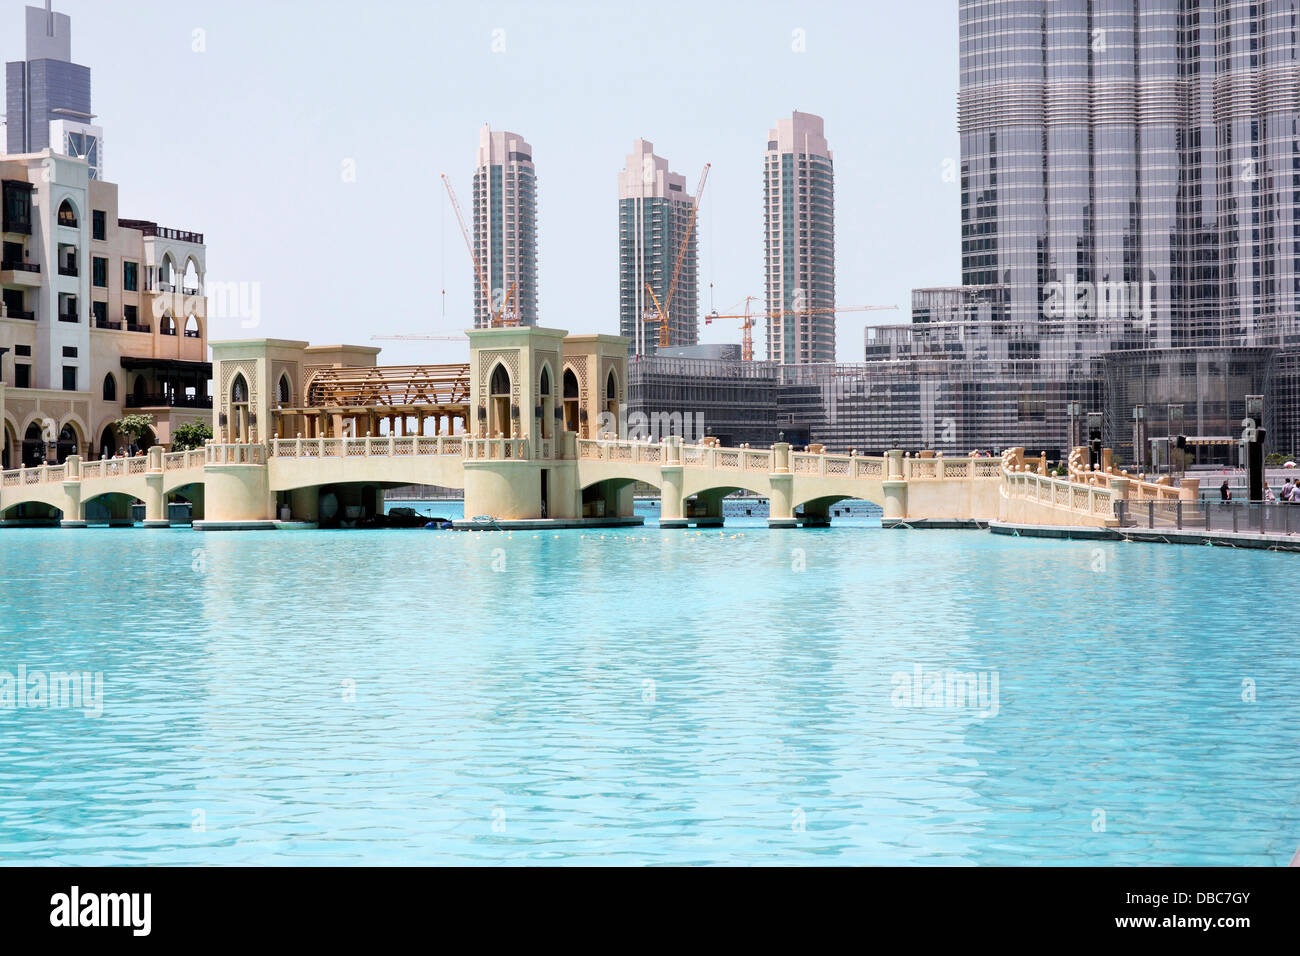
(1072,409)
(1095,421)
(1252,437)
(1177,440)
(1139,437)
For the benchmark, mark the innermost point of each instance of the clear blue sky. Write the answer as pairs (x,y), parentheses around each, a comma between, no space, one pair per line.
(246,143)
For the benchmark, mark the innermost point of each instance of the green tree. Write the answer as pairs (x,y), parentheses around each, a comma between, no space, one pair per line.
(191,435)
(131,427)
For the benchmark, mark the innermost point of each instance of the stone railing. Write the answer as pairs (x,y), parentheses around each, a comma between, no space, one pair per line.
(74,469)
(1136,487)
(1095,501)
(496,449)
(181,460)
(241,454)
(632,452)
(388,446)
(821,464)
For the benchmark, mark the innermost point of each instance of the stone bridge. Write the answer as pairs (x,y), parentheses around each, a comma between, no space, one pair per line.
(566,482)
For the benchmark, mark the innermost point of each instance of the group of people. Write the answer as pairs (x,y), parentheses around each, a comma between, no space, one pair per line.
(1290,492)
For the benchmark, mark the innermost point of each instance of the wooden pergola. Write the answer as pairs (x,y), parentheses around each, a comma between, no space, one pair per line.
(407,396)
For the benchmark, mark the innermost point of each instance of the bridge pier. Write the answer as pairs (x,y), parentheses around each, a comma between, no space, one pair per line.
(710,503)
(894,486)
(155,502)
(74,514)
(237,496)
(304,504)
(816,514)
(671,499)
(781,505)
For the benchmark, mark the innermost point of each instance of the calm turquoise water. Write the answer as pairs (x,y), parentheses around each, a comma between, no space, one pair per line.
(640,696)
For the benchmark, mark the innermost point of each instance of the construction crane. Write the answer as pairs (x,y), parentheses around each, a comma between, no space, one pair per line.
(748,320)
(746,328)
(660,313)
(501,317)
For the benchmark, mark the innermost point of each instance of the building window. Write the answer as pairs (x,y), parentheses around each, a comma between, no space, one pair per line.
(99,225)
(22,376)
(69,351)
(99,272)
(110,388)
(67,215)
(69,378)
(130,277)
(17,207)
(100,312)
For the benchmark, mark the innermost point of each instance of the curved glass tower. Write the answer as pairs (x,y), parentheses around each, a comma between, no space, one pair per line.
(1132,168)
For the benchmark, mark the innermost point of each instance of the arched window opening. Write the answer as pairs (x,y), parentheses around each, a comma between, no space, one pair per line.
(33,446)
(283,391)
(67,215)
(167,326)
(546,405)
(69,444)
(499,403)
(191,282)
(108,442)
(9,458)
(192,328)
(570,401)
(110,388)
(240,423)
(165,272)
(611,395)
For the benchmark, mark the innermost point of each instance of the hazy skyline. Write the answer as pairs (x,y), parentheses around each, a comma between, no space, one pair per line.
(242,121)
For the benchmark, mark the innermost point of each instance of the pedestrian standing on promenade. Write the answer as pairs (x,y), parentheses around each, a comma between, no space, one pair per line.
(1287,490)
(1268,493)
(1224,493)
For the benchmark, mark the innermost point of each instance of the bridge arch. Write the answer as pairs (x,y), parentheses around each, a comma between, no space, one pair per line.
(821,499)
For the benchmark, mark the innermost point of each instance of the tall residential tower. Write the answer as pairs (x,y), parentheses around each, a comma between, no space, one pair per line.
(505,227)
(799,239)
(47,96)
(654,211)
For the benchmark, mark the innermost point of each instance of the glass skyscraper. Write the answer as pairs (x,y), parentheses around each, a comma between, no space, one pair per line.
(1134,166)
(47,96)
